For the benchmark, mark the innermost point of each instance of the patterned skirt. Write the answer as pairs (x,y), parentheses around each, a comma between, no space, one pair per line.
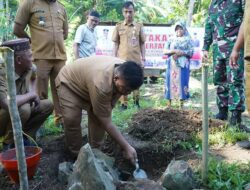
(177,81)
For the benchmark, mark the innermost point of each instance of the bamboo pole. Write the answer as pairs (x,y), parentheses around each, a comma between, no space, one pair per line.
(8,58)
(204,123)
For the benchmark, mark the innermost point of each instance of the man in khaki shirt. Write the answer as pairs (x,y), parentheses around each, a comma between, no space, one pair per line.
(95,84)
(33,111)
(47,21)
(129,40)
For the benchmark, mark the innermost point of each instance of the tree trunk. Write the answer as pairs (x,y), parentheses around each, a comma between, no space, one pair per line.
(190,12)
(8,58)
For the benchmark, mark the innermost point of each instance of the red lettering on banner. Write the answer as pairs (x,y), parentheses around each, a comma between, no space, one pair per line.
(151,38)
(154,45)
(164,38)
(158,38)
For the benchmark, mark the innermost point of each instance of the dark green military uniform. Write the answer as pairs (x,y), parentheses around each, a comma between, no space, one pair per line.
(221,30)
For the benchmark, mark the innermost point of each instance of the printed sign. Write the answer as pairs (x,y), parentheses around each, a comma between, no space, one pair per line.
(156,37)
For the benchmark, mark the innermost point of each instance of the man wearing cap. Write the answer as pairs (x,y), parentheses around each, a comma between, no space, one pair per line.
(95,84)
(129,44)
(47,21)
(86,38)
(33,111)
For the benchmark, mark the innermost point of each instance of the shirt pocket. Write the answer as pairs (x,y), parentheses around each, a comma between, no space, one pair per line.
(41,19)
(122,35)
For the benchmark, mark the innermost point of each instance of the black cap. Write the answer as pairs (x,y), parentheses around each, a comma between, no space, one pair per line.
(18,45)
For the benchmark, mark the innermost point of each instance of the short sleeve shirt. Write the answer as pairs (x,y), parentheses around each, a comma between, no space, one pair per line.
(22,82)
(247,30)
(47,23)
(87,38)
(129,39)
(91,79)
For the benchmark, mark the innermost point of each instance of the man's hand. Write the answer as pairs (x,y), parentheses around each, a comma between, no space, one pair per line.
(233,60)
(130,154)
(178,53)
(205,56)
(35,100)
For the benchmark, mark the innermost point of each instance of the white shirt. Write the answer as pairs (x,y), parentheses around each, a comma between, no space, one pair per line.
(87,38)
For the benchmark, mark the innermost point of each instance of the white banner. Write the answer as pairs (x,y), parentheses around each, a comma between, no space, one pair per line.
(156,37)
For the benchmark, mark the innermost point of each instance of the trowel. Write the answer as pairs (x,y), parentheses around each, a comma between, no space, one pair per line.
(139,173)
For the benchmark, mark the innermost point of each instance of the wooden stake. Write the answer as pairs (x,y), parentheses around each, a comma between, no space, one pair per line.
(8,58)
(204,123)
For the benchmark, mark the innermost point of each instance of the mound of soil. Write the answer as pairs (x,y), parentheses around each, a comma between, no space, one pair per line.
(168,126)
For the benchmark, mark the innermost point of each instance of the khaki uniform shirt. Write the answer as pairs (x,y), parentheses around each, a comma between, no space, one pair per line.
(129,38)
(247,31)
(91,79)
(22,82)
(47,23)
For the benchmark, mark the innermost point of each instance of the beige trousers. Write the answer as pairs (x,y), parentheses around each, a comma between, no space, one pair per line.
(71,109)
(48,70)
(31,120)
(247,75)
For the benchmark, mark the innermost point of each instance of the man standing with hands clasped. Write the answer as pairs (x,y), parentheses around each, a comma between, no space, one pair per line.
(48,25)
(129,44)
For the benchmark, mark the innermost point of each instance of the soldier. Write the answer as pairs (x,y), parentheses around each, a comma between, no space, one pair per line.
(95,84)
(48,25)
(86,37)
(33,111)
(233,62)
(129,44)
(221,30)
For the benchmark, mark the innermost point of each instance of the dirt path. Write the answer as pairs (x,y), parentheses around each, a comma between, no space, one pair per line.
(231,154)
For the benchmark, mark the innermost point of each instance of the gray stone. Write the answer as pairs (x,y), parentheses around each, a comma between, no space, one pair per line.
(178,175)
(64,171)
(90,172)
(247,187)
(144,184)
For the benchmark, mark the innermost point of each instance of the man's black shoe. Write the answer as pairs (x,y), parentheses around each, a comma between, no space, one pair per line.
(235,119)
(244,144)
(223,114)
(137,104)
(244,128)
(123,107)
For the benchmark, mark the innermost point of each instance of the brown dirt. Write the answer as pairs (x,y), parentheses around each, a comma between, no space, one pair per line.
(156,135)
(47,171)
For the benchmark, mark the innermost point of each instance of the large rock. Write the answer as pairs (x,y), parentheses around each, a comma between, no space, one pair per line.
(178,175)
(91,172)
(247,187)
(64,171)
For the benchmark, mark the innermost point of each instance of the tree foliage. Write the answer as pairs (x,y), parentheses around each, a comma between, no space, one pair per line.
(147,11)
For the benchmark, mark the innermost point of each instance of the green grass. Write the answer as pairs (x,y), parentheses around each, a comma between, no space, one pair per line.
(49,127)
(225,176)
(227,135)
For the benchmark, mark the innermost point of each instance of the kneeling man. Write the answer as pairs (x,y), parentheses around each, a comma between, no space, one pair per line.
(33,111)
(95,84)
